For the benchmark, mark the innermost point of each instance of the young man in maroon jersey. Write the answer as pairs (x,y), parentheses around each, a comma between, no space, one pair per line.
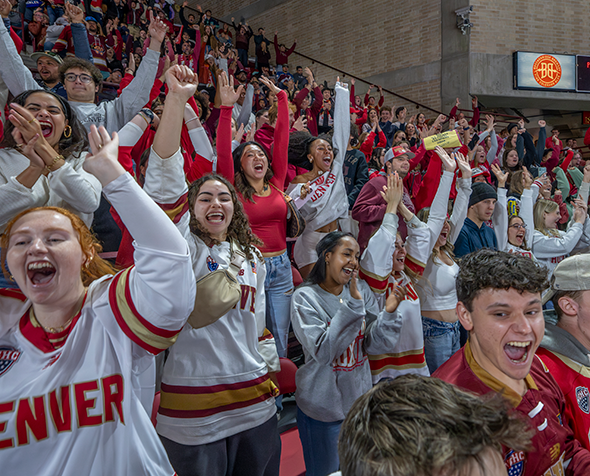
(500,305)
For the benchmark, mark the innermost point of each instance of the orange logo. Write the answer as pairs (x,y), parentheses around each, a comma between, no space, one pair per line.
(547,71)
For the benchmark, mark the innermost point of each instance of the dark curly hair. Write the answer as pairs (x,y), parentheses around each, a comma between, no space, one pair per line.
(240,179)
(75,144)
(419,426)
(490,269)
(300,143)
(239,227)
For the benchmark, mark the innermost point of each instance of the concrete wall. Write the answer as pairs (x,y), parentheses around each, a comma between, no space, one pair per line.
(394,44)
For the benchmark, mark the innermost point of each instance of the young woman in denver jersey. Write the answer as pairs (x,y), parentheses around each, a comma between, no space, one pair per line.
(217,411)
(77,344)
(338,322)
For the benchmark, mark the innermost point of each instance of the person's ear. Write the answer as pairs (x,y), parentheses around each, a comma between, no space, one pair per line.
(568,306)
(464,316)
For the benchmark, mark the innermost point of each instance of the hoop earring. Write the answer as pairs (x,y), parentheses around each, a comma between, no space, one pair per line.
(68,132)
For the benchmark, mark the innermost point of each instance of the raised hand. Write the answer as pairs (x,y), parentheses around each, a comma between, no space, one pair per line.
(489,123)
(305,189)
(237,136)
(181,81)
(527,178)
(474,102)
(28,149)
(580,210)
(301,124)
(354,290)
(449,163)
(227,93)
(25,123)
(500,175)
(463,164)
(586,172)
(270,85)
(75,13)
(131,66)
(157,30)
(393,192)
(542,123)
(457,102)
(396,297)
(5,8)
(103,162)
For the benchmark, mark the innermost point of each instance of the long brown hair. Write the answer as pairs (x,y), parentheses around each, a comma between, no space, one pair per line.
(239,227)
(95,267)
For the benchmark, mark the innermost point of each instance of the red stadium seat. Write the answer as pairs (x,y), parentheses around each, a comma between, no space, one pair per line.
(286,377)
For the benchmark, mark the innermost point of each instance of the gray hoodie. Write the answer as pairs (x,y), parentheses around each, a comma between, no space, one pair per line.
(337,333)
(562,342)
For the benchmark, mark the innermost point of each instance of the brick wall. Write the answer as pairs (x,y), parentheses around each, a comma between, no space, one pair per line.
(364,37)
(505,26)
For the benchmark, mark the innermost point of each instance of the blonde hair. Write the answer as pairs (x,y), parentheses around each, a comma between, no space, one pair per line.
(542,207)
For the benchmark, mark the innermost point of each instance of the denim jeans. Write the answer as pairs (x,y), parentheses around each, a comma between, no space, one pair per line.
(54,13)
(319,440)
(278,287)
(441,340)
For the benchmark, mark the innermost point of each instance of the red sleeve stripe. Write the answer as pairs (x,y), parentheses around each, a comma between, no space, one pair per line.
(379,363)
(265,335)
(213,388)
(176,210)
(415,265)
(13,293)
(129,320)
(377,285)
(211,411)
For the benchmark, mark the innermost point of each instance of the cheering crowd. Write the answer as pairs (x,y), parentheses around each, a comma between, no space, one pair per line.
(218,202)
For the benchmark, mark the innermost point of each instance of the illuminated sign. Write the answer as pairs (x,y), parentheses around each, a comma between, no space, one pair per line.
(544,71)
(584,74)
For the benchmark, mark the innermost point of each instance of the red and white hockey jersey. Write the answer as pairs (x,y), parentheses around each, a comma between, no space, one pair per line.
(407,354)
(81,408)
(215,382)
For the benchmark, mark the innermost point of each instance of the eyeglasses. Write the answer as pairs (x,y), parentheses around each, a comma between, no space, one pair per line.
(518,227)
(84,78)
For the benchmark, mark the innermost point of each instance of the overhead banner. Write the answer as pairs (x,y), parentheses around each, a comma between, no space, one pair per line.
(543,71)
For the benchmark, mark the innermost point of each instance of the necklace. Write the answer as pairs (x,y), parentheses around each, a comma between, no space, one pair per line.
(54,330)
(50,330)
(264,189)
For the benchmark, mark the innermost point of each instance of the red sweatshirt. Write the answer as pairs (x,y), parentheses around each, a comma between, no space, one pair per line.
(267,215)
(311,113)
(283,58)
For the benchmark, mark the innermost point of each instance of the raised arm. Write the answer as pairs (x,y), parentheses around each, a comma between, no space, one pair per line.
(341,124)
(462,200)
(229,96)
(280,154)
(16,75)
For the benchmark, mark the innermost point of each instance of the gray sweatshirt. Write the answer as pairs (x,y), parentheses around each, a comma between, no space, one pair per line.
(111,114)
(337,333)
(562,342)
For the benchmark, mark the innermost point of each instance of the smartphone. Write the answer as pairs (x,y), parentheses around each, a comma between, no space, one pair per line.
(541,171)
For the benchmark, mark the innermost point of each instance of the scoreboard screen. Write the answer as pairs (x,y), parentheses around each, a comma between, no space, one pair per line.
(583,73)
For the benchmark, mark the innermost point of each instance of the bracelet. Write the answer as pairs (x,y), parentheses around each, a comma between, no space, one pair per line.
(144,118)
(55,160)
(193,119)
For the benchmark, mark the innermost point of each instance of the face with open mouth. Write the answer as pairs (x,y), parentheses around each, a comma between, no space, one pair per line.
(552,218)
(254,162)
(214,208)
(516,231)
(342,261)
(45,257)
(321,154)
(47,110)
(442,238)
(399,255)
(505,328)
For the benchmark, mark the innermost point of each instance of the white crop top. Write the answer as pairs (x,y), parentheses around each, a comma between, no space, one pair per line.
(436,288)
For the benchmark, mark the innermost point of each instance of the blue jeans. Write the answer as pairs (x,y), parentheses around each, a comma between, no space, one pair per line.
(278,287)
(320,444)
(441,340)
(54,13)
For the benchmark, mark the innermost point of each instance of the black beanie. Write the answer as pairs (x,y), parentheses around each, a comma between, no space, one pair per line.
(481,191)
(510,127)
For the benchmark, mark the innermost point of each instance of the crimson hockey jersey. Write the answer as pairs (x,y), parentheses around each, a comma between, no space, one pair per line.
(556,452)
